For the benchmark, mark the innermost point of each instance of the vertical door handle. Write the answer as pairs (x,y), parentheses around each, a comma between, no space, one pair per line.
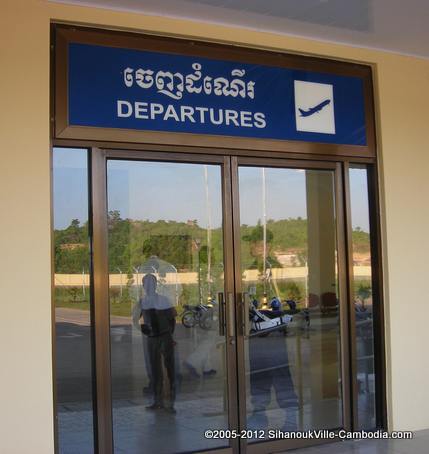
(221,302)
(245,314)
(231,316)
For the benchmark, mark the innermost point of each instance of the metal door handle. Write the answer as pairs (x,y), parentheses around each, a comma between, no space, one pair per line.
(231,315)
(245,314)
(221,302)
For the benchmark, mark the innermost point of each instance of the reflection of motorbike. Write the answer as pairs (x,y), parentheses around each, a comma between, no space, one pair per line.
(201,314)
(363,321)
(263,322)
(304,313)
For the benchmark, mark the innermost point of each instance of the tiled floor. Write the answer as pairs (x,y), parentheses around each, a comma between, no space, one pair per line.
(419,444)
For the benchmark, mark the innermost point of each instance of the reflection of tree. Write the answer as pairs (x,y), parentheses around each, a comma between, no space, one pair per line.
(131,242)
(255,238)
(208,289)
(119,231)
(292,291)
(364,292)
(361,241)
(71,246)
(302,257)
(174,249)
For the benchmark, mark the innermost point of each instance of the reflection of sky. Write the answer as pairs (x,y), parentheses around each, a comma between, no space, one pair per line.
(177,191)
(161,190)
(70,186)
(284,194)
(359,198)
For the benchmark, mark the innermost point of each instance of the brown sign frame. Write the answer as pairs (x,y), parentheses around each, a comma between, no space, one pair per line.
(63,130)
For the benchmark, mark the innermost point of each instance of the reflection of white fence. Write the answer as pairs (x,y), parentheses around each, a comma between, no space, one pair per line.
(362,271)
(300,272)
(293,272)
(72,280)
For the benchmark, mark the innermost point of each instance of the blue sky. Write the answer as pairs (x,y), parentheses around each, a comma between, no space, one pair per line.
(177,191)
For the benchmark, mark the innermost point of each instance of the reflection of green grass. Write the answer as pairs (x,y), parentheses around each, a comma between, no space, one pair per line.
(362,288)
(82,305)
(121,309)
(73,298)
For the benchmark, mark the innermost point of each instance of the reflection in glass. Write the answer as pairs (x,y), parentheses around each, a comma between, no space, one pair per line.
(362,286)
(166,270)
(289,276)
(72,302)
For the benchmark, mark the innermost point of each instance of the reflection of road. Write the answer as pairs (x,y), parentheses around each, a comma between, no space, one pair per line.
(81,317)
(201,401)
(129,374)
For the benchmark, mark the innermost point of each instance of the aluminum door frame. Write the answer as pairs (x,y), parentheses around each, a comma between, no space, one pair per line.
(100,267)
(345,316)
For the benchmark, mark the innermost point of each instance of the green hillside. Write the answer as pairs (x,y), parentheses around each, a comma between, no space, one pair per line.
(183,244)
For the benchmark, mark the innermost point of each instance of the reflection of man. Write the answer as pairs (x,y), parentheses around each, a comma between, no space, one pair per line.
(169,286)
(158,325)
(269,368)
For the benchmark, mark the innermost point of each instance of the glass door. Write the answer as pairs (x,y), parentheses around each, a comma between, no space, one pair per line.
(225,302)
(171,320)
(290,287)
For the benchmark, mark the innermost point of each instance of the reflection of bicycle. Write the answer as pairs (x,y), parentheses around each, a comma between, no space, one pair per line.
(200,314)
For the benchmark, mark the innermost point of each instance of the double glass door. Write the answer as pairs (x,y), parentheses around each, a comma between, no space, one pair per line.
(226,310)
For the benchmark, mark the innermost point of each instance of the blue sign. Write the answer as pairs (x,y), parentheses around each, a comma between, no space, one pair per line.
(149,91)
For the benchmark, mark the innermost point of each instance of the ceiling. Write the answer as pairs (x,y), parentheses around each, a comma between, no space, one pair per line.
(400,26)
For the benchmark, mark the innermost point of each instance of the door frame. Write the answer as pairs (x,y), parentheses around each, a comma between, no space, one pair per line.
(232,281)
(101,151)
(103,384)
(237,161)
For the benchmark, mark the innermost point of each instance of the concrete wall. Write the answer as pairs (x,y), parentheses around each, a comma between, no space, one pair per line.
(402,97)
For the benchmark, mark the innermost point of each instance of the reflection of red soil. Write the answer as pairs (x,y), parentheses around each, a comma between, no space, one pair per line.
(72,246)
(361,258)
(290,257)
(257,249)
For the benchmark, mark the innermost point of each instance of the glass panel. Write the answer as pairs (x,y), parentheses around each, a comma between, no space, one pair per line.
(72,302)
(362,286)
(289,266)
(169,380)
